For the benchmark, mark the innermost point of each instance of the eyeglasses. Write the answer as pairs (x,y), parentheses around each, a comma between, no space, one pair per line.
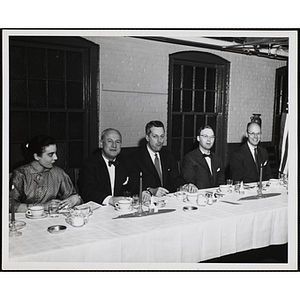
(212,137)
(254,133)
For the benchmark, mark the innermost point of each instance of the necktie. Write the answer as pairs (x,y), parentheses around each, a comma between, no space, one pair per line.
(206,155)
(157,167)
(112,162)
(256,158)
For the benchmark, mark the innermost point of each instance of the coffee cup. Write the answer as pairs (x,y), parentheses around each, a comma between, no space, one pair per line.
(192,197)
(35,211)
(76,218)
(180,195)
(86,212)
(123,204)
(224,188)
(201,200)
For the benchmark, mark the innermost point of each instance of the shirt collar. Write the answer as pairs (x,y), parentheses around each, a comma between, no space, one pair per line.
(208,152)
(152,153)
(107,160)
(251,146)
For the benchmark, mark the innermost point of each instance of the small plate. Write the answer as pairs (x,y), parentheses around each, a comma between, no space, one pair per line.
(44,215)
(123,211)
(57,229)
(189,208)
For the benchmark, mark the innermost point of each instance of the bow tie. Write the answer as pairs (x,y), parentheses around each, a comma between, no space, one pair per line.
(112,162)
(206,155)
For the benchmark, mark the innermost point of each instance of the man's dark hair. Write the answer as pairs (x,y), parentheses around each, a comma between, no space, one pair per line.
(151,124)
(202,128)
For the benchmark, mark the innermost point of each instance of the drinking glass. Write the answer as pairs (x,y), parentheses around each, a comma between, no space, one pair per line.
(53,209)
(237,186)
(127,195)
(13,231)
(229,182)
(135,201)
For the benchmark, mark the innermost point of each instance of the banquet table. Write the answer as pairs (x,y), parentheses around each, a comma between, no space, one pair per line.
(175,237)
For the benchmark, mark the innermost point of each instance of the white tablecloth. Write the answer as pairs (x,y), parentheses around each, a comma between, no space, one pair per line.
(186,237)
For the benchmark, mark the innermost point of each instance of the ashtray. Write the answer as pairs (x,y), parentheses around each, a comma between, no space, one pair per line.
(189,208)
(56,229)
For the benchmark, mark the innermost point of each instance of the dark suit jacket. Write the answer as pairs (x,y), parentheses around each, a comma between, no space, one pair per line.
(94,182)
(144,163)
(195,170)
(243,167)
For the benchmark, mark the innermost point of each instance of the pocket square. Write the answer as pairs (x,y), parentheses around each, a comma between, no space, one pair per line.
(218,169)
(126,181)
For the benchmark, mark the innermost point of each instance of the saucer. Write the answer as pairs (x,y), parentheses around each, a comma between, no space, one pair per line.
(124,210)
(44,215)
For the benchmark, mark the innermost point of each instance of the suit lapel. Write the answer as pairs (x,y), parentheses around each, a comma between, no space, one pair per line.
(251,159)
(119,177)
(105,174)
(164,167)
(203,162)
(150,165)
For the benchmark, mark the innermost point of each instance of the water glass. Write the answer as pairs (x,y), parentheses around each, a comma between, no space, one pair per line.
(237,186)
(135,201)
(229,182)
(127,195)
(53,209)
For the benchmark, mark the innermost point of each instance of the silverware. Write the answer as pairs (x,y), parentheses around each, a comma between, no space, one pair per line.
(234,203)
(135,215)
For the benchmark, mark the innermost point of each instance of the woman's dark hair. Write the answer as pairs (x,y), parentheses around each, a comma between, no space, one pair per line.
(37,145)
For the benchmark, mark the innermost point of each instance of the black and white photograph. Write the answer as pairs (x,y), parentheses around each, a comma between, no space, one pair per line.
(150,149)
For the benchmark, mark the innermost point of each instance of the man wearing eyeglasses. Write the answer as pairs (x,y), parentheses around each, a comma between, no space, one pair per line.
(202,167)
(246,162)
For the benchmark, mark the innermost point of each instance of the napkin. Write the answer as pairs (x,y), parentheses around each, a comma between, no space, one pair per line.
(91,204)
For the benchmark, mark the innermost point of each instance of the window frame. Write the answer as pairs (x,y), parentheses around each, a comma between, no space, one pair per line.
(222,89)
(90,83)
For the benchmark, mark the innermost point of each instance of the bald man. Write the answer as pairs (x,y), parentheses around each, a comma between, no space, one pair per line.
(245,163)
(106,175)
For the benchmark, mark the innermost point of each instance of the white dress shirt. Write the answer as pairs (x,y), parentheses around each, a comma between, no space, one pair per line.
(251,147)
(152,155)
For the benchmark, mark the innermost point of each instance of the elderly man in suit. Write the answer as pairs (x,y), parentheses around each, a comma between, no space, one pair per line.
(160,173)
(106,175)
(246,162)
(202,167)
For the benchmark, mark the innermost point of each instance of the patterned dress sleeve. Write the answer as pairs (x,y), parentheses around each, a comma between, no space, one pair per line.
(16,189)
(67,188)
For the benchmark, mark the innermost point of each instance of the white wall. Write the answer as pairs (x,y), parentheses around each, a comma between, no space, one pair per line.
(134,87)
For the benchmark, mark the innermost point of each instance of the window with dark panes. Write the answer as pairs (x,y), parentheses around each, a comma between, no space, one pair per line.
(50,94)
(197,97)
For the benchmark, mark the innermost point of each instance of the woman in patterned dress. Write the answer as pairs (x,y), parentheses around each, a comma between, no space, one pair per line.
(40,181)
